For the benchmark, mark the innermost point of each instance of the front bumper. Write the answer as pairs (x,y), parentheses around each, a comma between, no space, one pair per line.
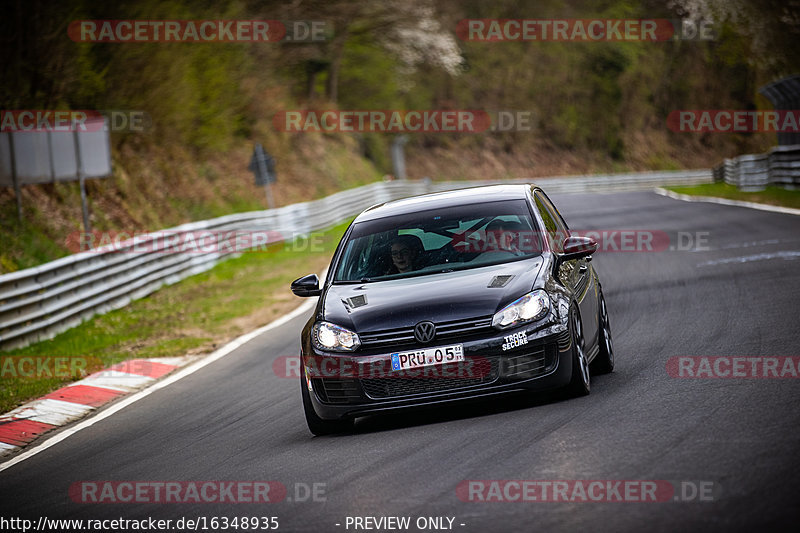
(347,386)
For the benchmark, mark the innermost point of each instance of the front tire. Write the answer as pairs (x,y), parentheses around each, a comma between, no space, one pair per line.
(317,425)
(580,384)
(604,362)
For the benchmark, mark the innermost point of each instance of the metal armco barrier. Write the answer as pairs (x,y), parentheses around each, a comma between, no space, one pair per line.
(37,303)
(780,166)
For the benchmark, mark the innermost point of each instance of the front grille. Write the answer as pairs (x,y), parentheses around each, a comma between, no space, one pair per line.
(443,378)
(332,390)
(444,330)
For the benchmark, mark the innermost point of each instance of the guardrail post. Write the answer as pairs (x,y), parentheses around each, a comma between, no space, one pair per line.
(17,191)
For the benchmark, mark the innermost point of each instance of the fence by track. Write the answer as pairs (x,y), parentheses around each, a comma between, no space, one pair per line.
(37,303)
(753,172)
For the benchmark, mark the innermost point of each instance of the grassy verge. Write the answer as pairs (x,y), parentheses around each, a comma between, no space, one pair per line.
(193,316)
(771,195)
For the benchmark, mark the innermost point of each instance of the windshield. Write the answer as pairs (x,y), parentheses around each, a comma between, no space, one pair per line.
(441,240)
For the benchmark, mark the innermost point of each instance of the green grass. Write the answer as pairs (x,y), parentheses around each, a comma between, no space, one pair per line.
(193,316)
(771,195)
(25,244)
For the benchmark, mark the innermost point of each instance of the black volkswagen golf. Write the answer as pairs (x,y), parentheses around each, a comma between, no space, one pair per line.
(450,296)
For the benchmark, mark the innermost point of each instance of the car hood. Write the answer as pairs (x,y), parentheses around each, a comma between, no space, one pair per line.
(455,295)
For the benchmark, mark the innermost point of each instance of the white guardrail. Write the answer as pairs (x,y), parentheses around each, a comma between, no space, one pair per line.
(37,303)
(753,172)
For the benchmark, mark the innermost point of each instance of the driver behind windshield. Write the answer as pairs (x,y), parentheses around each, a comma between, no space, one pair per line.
(405,254)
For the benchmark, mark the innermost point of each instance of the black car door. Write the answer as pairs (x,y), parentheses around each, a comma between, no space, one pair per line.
(575,274)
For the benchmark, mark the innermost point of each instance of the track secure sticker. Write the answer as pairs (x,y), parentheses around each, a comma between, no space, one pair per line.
(515,340)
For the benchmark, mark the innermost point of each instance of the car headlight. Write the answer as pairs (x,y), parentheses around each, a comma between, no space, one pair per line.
(329,336)
(532,306)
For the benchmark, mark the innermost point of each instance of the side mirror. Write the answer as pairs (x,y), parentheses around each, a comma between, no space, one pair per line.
(578,247)
(306,286)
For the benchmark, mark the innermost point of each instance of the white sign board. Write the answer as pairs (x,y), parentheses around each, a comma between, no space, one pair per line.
(49,156)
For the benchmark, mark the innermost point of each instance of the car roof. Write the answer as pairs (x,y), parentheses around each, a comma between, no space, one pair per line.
(438,200)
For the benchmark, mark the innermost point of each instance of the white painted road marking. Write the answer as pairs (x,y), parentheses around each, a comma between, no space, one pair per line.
(133,398)
(724,201)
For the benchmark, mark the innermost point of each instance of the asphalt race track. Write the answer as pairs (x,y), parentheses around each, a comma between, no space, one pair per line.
(736,295)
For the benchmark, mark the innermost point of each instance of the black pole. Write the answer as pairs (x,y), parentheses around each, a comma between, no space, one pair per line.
(262,170)
(52,159)
(82,181)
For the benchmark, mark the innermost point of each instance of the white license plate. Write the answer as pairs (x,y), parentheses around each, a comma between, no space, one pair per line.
(427,357)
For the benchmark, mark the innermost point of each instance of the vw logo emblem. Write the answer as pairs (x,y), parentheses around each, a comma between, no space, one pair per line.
(425,331)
